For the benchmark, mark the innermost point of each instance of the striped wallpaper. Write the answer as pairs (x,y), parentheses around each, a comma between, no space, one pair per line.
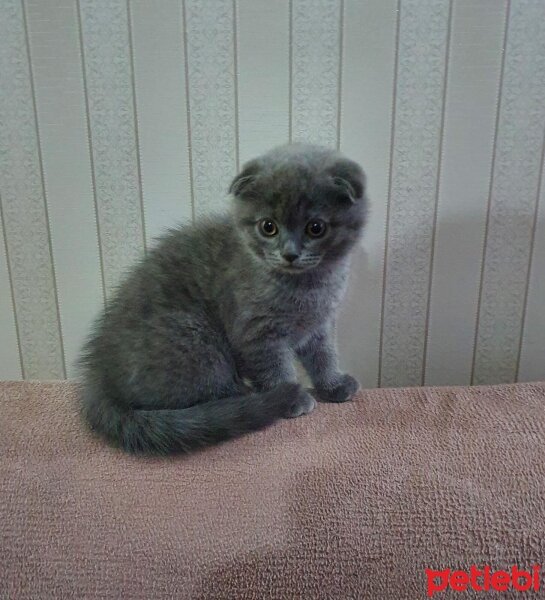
(119,118)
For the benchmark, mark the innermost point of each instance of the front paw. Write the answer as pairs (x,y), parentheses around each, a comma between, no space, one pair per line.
(340,390)
(300,402)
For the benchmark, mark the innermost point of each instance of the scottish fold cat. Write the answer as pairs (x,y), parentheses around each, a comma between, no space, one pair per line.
(198,344)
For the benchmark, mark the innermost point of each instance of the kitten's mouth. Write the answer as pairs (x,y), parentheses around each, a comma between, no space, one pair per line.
(287,268)
(292,268)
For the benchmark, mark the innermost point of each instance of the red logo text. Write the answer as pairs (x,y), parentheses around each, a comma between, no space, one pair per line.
(483,580)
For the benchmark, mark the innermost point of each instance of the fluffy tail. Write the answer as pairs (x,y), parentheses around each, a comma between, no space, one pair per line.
(166,431)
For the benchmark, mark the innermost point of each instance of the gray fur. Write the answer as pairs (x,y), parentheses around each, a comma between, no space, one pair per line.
(198,344)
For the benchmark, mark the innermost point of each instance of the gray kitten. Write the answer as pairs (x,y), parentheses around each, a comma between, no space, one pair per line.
(198,344)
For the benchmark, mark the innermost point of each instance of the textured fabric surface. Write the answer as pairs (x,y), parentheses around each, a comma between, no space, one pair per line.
(353,501)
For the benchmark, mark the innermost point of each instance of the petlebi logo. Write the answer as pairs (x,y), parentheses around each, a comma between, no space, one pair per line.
(483,580)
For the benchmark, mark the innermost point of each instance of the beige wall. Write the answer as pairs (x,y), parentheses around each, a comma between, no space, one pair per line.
(117,120)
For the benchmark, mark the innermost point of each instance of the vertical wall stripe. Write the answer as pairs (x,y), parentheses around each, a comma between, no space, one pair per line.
(188,113)
(23,205)
(42,178)
(472,93)
(532,354)
(439,174)
(389,197)
(514,195)
(55,52)
(210,43)
(315,71)
(105,33)
(496,130)
(235,74)
(365,134)
(418,113)
(290,51)
(90,150)
(158,51)
(263,75)
(340,82)
(136,126)
(10,357)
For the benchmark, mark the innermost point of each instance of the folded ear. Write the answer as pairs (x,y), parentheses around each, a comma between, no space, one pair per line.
(242,183)
(349,177)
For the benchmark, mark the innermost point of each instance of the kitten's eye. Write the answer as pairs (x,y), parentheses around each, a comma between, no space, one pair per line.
(315,228)
(268,227)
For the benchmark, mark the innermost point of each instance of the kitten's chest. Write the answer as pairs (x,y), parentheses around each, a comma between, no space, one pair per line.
(264,309)
(294,313)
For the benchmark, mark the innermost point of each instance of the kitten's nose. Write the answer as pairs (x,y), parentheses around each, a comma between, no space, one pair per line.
(290,256)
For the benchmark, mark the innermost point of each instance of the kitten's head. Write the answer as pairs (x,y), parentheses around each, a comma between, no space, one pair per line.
(300,206)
